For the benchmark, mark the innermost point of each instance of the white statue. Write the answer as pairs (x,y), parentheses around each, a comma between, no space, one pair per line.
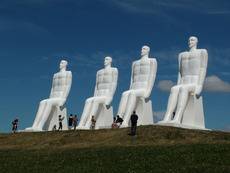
(106,84)
(60,90)
(191,75)
(142,81)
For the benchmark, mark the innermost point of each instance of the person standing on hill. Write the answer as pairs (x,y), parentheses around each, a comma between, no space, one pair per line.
(70,121)
(60,122)
(93,122)
(15,125)
(75,120)
(133,119)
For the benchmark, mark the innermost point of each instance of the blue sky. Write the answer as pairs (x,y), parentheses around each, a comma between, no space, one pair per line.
(36,35)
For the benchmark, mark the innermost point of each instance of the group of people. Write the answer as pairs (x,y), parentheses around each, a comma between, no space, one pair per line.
(72,121)
(117,122)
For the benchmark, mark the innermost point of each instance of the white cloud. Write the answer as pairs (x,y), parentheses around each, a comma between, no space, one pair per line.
(161,7)
(158,115)
(215,84)
(6,24)
(45,77)
(225,129)
(165,85)
(225,73)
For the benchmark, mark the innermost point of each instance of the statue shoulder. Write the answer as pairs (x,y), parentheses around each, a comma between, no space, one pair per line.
(153,60)
(182,53)
(69,72)
(114,69)
(100,71)
(203,51)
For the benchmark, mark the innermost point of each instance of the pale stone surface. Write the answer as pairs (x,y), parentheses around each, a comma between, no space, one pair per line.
(59,92)
(194,114)
(191,75)
(106,84)
(142,81)
(53,119)
(104,117)
(144,112)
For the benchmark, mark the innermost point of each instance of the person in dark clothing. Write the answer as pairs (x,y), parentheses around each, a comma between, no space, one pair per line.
(119,121)
(60,122)
(15,125)
(133,119)
(70,121)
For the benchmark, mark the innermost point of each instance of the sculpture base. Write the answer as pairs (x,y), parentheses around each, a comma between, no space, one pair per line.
(144,112)
(193,117)
(104,117)
(53,119)
(194,114)
(181,126)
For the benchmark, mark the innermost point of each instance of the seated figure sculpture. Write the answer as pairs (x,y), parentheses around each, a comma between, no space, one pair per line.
(191,75)
(59,92)
(142,81)
(106,84)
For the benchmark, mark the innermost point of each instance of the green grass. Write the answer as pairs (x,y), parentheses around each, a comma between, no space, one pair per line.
(155,149)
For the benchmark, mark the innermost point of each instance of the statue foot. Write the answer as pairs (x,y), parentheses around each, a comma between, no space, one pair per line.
(175,121)
(82,128)
(123,125)
(33,129)
(163,122)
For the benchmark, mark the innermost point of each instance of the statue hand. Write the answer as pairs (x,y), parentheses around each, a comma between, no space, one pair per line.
(108,100)
(147,94)
(198,90)
(62,102)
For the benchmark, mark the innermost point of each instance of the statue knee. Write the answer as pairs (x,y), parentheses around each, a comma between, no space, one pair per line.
(43,102)
(88,100)
(124,94)
(183,89)
(174,89)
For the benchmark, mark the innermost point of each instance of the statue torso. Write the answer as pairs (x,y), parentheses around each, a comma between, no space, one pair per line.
(190,66)
(104,81)
(59,84)
(141,72)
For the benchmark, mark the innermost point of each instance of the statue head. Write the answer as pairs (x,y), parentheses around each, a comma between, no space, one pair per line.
(108,61)
(192,42)
(63,64)
(145,50)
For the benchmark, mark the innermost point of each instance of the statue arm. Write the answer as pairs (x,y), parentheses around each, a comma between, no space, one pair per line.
(203,71)
(132,75)
(67,88)
(51,92)
(95,89)
(152,77)
(113,86)
(179,70)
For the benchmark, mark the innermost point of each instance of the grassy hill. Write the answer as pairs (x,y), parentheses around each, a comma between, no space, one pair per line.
(154,149)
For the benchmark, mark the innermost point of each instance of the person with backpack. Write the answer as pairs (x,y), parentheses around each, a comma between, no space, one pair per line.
(15,125)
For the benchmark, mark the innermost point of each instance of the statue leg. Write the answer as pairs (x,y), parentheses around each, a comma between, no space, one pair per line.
(46,113)
(182,101)
(123,104)
(43,113)
(172,102)
(94,109)
(39,113)
(85,113)
(131,104)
